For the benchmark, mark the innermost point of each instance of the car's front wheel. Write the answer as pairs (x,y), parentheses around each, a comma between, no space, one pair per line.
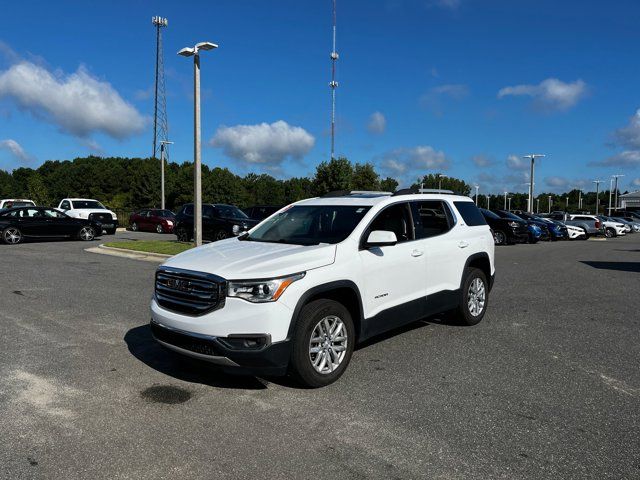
(12,235)
(500,237)
(474,297)
(86,234)
(134,227)
(182,234)
(221,235)
(323,343)
(159,228)
(609,232)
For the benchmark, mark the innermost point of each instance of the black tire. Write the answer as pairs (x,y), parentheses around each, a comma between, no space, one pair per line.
(134,227)
(610,232)
(301,364)
(12,236)
(220,235)
(159,228)
(500,237)
(532,240)
(586,235)
(464,315)
(86,234)
(111,232)
(182,234)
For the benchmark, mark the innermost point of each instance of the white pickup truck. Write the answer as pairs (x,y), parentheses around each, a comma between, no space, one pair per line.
(92,210)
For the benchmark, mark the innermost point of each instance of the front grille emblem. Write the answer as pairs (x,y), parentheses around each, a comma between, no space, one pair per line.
(181,285)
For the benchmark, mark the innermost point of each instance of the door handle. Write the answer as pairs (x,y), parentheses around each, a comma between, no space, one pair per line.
(463,244)
(417,253)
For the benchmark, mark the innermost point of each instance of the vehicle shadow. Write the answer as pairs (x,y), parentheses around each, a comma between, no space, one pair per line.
(142,345)
(621,266)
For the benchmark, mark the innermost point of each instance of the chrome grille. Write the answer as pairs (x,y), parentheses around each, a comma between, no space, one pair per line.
(186,291)
(101,217)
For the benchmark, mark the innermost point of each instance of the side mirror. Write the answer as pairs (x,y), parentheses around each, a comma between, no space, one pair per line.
(381,238)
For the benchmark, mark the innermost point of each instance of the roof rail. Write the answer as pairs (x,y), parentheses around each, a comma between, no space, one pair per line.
(345,193)
(416,190)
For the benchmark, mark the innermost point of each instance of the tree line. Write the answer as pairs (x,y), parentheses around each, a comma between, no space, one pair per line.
(132,183)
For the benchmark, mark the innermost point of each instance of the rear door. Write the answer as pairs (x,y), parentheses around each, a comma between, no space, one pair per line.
(33,223)
(393,276)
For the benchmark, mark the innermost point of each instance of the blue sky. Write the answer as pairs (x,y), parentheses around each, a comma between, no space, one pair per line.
(463,87)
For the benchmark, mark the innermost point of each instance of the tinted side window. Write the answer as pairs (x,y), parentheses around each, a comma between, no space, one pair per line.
(470,213)
(188,210)
(431,218)
(65,205)
(395,219)
(208,211)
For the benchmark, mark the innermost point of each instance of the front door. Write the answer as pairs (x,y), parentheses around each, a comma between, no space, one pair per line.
(393,276)
(33,223)
(60,224)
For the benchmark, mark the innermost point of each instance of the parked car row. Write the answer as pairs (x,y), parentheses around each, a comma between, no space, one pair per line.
(80,218)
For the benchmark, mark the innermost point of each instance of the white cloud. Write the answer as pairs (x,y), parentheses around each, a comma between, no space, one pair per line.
(16,149)
(550,94)
(636,182)
(264,143)
(627,158)
(77,103)
(629,136)
(437,96)
(409,163)
(554,181)
(482,161)
(515,162)
(377,123)
(455,91)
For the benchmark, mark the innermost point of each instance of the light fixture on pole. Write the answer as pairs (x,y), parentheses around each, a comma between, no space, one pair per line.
(197,163)
(597,182)
(616,191)
(532,157)
(163,146)
(440,177)
(477,188)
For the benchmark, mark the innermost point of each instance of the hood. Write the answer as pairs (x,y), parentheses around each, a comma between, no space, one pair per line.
(247,221)
(235,259)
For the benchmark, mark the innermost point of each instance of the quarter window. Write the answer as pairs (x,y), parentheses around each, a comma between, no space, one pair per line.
(471,214)
(431,218)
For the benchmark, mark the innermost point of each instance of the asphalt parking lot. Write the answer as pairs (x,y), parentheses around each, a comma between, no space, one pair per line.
(547,386)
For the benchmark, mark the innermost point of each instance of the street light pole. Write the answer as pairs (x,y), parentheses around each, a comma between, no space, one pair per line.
(197,163)
(616,191)
(488,203)
(549,203)
(505,200)
(163,144)
(537,205)
(580,199)
(597,182)
(509,203)
(610,192)
(477,187)
(440,177)
(533,157)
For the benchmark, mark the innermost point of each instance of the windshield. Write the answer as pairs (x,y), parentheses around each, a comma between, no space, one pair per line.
(18,203)
(227,211)
(81,204)
(310,225)
(489,214)
(510,215)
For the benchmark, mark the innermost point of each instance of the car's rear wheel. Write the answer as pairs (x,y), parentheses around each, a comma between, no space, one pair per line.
(323,343)
(609,232)
(221,235)
(134,227)
(159,228)
(12,235)
(474,297)
(500,237)
(86,234)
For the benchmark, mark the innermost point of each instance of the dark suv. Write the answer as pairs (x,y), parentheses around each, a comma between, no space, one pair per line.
(506,231)
(219,221)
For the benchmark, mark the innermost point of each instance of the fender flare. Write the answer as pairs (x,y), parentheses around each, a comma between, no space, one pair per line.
(476,256)
(318,289)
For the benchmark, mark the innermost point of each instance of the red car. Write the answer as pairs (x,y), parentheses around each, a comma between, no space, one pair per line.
(152,220)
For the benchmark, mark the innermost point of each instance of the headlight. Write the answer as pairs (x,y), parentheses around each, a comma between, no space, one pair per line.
(235,229)
(169,222)
(261,291)
(114,216)
(513,224)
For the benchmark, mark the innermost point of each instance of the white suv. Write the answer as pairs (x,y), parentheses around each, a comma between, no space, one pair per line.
(90,209)
(299,290)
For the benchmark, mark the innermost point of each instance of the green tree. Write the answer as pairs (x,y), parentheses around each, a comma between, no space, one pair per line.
(364,177)
(433,180)
(333,175)
(389,185)
(37,190)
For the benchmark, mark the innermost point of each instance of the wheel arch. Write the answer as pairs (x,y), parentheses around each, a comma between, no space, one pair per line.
(345,292)
(479,260)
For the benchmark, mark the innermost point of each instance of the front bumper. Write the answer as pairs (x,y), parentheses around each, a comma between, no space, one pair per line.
(267,359)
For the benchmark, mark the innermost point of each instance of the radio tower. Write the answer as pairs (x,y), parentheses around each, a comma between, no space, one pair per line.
(160,126)
(333,84)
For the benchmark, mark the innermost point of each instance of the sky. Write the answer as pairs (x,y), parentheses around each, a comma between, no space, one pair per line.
(460,87)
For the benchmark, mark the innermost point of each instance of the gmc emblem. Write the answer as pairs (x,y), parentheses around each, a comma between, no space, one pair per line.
(182,285)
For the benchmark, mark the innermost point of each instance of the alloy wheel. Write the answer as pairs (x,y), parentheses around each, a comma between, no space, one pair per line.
(134,226)
(159,228)
(221,235)
(500,238)
(12,235)
(87,234)
(328,344)
(476,297)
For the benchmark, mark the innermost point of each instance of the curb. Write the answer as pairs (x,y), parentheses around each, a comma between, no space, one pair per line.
(126,253)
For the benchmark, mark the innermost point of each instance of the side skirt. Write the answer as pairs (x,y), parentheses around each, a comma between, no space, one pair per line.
(409,312)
